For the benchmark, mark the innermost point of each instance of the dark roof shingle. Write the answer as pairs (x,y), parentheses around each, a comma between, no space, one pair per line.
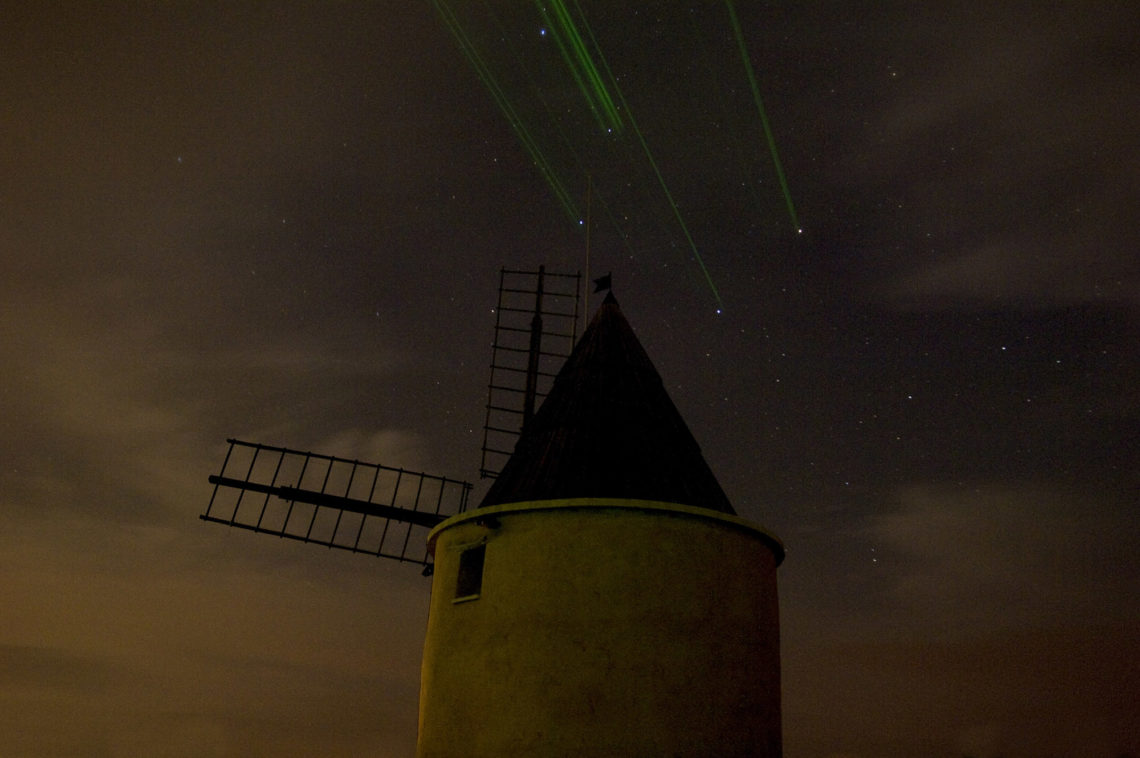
(608,429)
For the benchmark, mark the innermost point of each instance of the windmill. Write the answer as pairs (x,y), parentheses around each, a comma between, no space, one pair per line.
(387,511)
(603,598)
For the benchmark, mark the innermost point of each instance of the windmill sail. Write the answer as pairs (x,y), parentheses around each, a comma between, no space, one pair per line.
(336,502)
(535,329)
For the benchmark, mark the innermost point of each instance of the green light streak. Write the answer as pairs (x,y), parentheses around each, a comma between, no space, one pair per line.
(676,210)
(587,64)
(517,125)
(763,116)
(582,68)
(569,60)
(656,170)
(606,103)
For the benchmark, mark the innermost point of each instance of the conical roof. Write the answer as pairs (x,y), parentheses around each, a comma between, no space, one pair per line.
(608,429)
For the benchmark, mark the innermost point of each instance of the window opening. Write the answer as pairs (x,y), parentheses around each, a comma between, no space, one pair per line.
(469,582)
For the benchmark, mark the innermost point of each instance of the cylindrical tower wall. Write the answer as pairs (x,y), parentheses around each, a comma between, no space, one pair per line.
(590,627)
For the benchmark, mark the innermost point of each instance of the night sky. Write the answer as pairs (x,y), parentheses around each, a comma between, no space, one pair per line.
(284,222)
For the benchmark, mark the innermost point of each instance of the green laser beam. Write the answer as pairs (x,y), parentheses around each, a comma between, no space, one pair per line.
(589,68)
(516,122)
(763,115)
(576,56)
(653,164)
(743,155)
(579,49)
(564,138)
(568,59)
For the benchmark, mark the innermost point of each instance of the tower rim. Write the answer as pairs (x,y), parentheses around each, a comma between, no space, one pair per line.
(487,515)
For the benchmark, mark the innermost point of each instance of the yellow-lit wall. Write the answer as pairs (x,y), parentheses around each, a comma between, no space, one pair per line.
(603,628)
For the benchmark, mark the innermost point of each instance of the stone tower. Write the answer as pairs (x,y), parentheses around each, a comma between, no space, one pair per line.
(604,599)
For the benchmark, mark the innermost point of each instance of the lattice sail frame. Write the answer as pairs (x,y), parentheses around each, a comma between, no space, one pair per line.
(336,502)
(536,322)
